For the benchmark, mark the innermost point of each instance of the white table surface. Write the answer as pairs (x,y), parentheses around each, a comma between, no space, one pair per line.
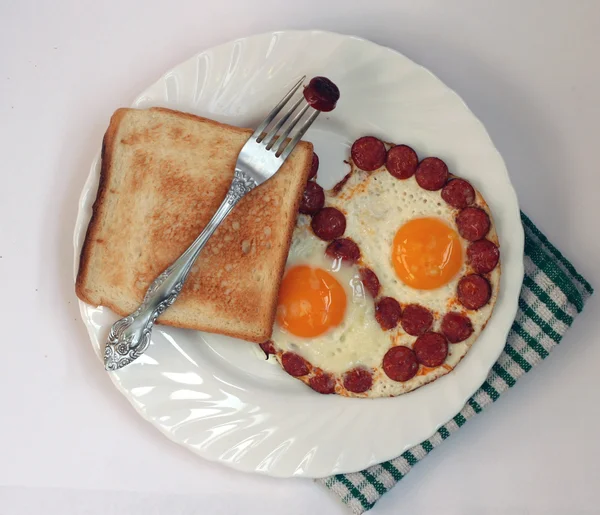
(70,444)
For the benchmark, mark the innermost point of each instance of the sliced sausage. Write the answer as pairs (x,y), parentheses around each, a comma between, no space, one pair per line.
(458,193)
(368,153)
(431,174)
(323,383)
(314,167)
(431,349)
(400,363)
(268,347)
(473,291)
(344,249)
(483,256)
(401,161)
(294,365)
(456,327)
(387,313)
(358,380)
(473,223)
(329,223)
(370,281)
(313,199)
(416,319)
(322,94)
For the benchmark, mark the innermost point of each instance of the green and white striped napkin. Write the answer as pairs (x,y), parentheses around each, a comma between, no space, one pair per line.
(553,294)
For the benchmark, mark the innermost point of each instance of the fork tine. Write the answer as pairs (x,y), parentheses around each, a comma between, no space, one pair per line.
(271,137)
(271,116)
(281,140)
(292,144)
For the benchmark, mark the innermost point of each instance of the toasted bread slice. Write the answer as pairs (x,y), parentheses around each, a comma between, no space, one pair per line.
(164,173)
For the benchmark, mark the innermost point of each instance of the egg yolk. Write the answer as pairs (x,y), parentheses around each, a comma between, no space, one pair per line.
(426,253)
(311,301)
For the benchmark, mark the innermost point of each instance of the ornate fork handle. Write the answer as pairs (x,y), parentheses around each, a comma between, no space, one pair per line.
(129,337)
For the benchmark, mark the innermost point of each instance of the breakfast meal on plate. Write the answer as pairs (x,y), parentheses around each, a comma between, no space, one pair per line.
(371,289)
(164,173)
(391,276)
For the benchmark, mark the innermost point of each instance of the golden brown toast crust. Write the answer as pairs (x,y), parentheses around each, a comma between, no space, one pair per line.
(92,229)
(163,175)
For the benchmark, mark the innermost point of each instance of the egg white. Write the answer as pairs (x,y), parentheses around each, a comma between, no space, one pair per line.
(376,205)
(340,348)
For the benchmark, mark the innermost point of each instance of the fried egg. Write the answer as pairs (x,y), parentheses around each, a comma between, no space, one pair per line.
(323,310)
(408,236)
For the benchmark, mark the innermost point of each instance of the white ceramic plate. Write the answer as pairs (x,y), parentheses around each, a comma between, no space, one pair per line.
(218,396)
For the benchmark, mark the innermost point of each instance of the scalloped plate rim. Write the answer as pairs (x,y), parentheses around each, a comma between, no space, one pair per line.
(518,269)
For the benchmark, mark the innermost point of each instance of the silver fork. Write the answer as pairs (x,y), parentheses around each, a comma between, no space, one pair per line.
(260,158)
